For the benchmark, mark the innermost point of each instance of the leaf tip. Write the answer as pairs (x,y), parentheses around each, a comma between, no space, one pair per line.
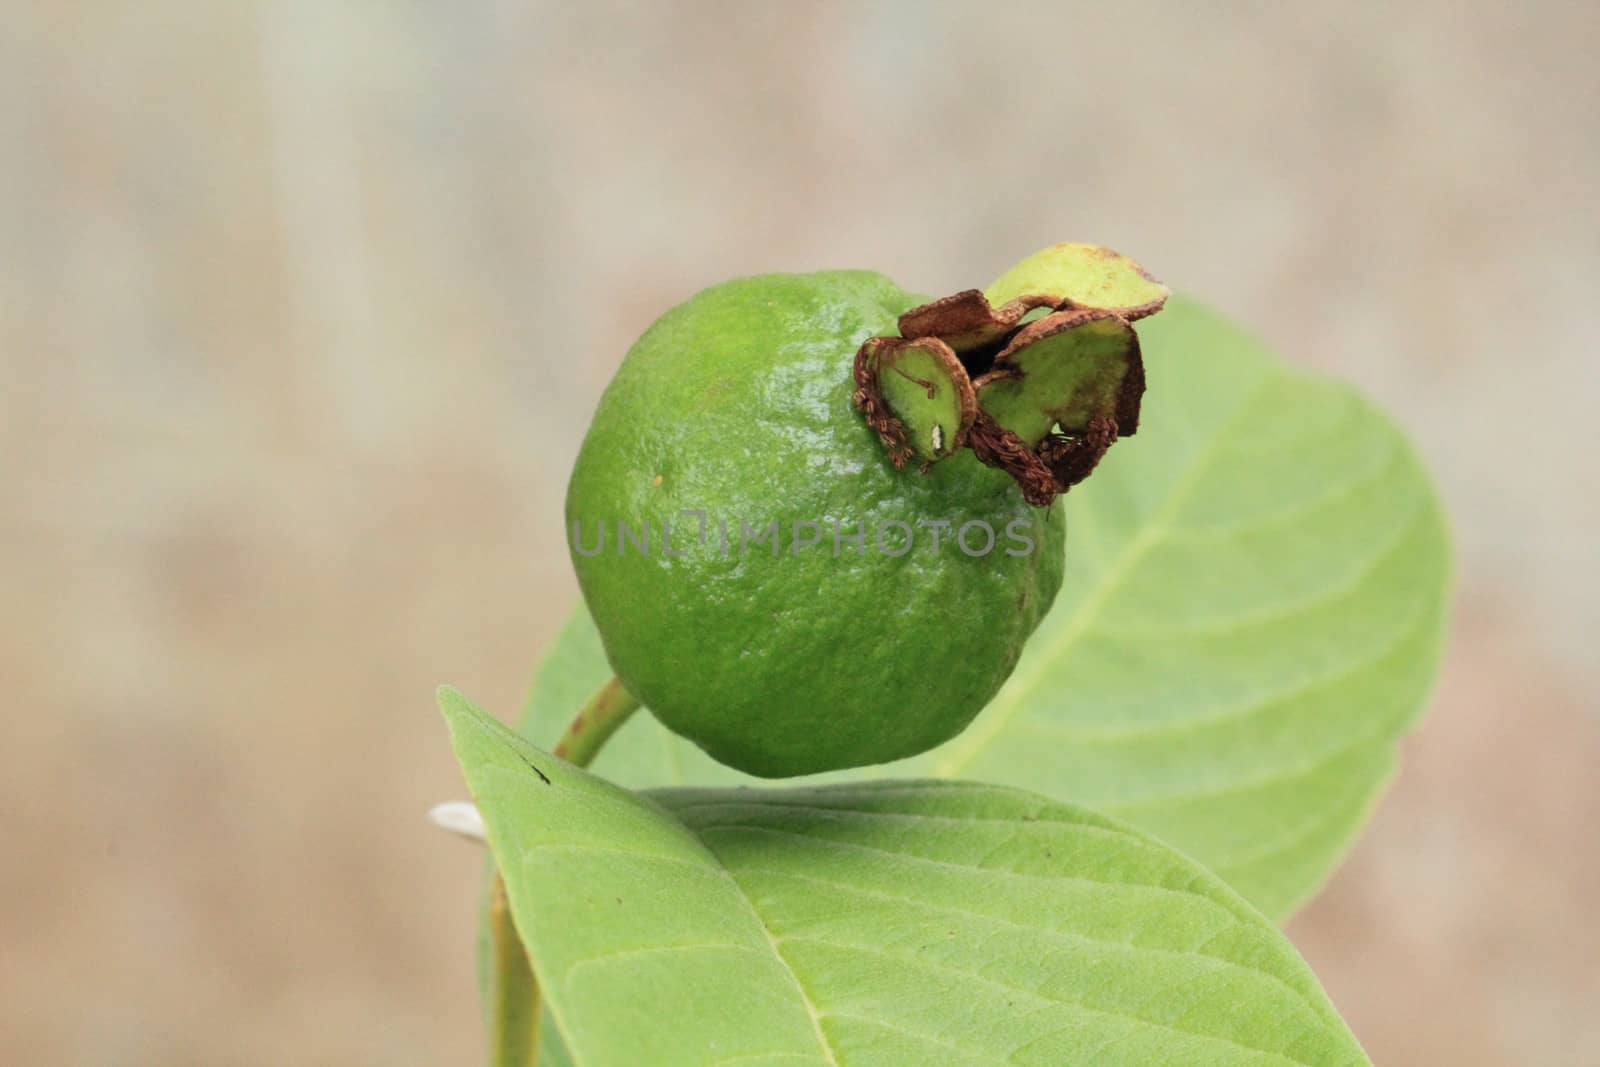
(463,719)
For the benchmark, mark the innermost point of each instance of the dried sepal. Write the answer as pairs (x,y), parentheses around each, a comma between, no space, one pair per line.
(1072,459)
(917,395)
(1048,397)
(997,447)
(965,321)
(1064,372)
(867,397)
(1080,276)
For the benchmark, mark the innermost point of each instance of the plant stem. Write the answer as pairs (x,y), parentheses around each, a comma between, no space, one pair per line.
(596,721)
(513,990)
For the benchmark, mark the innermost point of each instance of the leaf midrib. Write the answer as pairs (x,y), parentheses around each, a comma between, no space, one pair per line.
(794,976)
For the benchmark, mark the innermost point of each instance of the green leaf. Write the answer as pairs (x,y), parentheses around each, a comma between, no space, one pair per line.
(883,923)
(1251,618)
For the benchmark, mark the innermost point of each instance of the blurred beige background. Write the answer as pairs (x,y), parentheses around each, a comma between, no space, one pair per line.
(303,307)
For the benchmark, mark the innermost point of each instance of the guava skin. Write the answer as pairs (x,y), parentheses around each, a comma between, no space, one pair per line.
(738,403)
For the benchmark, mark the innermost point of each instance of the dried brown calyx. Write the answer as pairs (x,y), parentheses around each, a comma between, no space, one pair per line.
(917,395)
(1039,374)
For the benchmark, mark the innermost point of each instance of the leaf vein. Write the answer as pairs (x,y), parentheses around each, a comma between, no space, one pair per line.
(1133,1021)
(1065,935)
(1233,715)
(652,950)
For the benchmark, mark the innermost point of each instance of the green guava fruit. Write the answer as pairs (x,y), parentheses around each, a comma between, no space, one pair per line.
(764,578)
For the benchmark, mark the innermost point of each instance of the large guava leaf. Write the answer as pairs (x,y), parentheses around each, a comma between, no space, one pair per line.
(1251,618)
(879,923)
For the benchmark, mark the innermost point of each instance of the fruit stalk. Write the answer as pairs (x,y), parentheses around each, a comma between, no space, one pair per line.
(513,990)
(595,722)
